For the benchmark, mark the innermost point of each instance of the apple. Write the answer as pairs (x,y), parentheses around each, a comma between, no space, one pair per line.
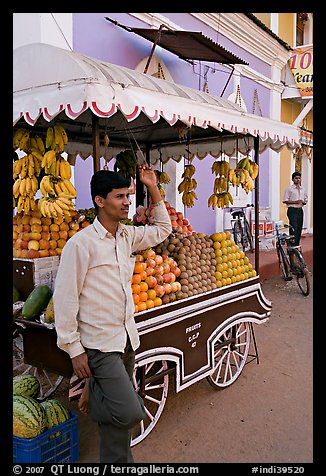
(150,262)
(176,271)
(20,228)
(45,235)
(174,286)
(52,252)
(54,227)
(44,253)
(149,254)
(71,233)
(26,220)
(167,288)
(165,299)
(36,221)
(159,278)
(44,244)
(166,267)
(33,253)
(159,270)
(17,253)
(59,251)
(64,226)
(172,297)
(159,289)
(53,244)
(140,258)
(54,235)
(158,259)
(61,243)
(34,245)
(27,228)
(35,228)
(35,236)
(151,281)
(58,221)
(14,235)
(24,253)
(63,234)
(46,221)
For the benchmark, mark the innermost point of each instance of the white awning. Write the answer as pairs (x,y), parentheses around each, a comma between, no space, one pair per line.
(48,81)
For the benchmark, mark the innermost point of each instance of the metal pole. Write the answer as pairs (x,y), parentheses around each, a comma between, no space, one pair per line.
(256,158)
(96,142)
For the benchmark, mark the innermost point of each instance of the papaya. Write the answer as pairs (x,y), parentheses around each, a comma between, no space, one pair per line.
(36,302)
(16,295)
(49,312)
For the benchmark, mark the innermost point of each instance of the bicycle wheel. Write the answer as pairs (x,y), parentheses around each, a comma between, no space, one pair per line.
(283,264)
(248,236)
(237,233)
(301,272)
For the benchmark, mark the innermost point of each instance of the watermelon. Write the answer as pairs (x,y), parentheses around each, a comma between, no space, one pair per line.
(36,301)
(56,412)
(27,385)
(29,417)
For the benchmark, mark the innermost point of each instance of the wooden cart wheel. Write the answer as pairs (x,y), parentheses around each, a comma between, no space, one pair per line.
(152,384)
(231,350)
(49,381)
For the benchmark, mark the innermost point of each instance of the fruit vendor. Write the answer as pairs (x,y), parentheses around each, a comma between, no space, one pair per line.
(295,197)
(94,308)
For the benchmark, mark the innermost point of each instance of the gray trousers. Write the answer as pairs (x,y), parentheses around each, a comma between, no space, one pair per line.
(114,403)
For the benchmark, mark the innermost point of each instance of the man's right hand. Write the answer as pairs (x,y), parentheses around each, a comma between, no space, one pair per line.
(80,365)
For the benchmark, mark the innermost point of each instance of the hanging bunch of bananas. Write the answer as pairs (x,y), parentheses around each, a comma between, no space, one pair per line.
(188,185)
(26,170)
(221,197)
(247,164)
(220,200)
(56,207)
(56,138)
(245,174)
(126,164)
(162,178)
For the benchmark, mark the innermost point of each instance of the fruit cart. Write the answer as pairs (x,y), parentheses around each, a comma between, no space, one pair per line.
(105,109)
(210,335)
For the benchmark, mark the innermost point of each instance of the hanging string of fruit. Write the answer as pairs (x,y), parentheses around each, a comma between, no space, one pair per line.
(188,185)
(126,164)
(243,175)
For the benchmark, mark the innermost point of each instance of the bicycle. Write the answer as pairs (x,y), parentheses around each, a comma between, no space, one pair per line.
(291,261)
(241,229)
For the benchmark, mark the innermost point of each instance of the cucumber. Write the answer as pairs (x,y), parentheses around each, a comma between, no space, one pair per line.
(36,302)
(16,295)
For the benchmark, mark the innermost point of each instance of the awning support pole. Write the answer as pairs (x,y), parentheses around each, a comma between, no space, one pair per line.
(256,158)
(96,142)
(153,48)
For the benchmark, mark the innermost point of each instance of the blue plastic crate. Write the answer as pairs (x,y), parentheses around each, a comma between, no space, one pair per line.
(60,444)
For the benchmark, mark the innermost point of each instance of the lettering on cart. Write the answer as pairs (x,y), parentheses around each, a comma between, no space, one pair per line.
(192,339)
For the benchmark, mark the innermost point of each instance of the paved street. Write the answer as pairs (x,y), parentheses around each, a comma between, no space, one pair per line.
(265,416)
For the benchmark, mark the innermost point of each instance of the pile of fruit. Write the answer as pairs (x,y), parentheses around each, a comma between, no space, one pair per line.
(185,265)
(178,221)
(37,236)
(30,417)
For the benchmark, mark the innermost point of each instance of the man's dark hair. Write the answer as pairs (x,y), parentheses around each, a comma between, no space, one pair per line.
(104,181)
(296,174)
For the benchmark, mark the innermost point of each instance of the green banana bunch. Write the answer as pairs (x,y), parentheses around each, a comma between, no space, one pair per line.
(126,164)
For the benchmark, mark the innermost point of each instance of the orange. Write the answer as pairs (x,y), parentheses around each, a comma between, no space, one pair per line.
(143,286)
(141,306)
(149,303)
(151,293)
(157,301)
(143,275)
(135,298)
(136,308)
(136,278)
(139,267)
(143,296)
(135,289)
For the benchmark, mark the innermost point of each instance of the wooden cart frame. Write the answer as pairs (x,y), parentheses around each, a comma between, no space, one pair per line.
(209,336)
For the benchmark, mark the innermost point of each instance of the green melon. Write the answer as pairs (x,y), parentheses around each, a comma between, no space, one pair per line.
(36,302)
(56,412)
(27,385)
(29,417)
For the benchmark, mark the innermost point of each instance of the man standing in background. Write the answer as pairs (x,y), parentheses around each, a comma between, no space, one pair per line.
(295,197)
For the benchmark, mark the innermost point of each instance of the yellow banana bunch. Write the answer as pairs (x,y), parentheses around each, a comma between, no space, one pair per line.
(20,204)
(216,167)
(220,200)
(188,198)
(64,187)
(16,168)
(64,168)
(162,177)
(46,186)
(21,139)
(16,188)
(220,184)
(49,161)
(40,144)
(244,163)
(190,169)
(56,138)
(212,201)
(253,169)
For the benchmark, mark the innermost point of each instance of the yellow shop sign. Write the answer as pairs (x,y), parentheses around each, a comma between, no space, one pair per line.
(301,64)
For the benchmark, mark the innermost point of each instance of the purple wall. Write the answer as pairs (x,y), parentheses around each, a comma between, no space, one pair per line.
(99,38)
